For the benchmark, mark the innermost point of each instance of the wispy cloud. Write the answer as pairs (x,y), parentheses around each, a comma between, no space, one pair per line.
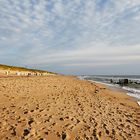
(72,34)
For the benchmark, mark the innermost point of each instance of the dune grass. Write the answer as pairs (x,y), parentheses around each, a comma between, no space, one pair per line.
(16,68)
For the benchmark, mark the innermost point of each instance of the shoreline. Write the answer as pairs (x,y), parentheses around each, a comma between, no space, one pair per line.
(65,107)
(118,89)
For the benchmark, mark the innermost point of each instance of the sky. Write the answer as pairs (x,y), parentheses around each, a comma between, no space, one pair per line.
(71,36)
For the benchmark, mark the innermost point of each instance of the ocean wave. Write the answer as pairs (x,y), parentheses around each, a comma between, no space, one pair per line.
(114,78)
(134,95)
(131,90)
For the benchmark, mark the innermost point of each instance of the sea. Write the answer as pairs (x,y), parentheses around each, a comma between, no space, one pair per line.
(132,88)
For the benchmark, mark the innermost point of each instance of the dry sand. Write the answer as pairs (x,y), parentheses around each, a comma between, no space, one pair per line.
(65,108)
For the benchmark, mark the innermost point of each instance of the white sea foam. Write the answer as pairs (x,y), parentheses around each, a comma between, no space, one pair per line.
(82,77)
(132,90)
(134,95)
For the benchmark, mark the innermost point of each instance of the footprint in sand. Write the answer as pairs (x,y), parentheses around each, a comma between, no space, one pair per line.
(63,135)
(30,121)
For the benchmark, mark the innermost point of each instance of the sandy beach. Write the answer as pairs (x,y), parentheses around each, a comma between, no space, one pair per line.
(65,108)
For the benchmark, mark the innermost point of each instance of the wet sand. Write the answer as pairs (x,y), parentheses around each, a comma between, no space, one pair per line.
(65,108)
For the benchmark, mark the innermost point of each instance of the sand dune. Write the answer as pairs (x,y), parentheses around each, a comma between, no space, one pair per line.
(65,108)
(6,70)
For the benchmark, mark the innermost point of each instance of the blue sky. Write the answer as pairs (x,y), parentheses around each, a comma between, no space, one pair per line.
(71,37)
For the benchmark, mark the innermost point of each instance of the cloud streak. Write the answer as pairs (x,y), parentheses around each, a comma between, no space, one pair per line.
(57,33)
